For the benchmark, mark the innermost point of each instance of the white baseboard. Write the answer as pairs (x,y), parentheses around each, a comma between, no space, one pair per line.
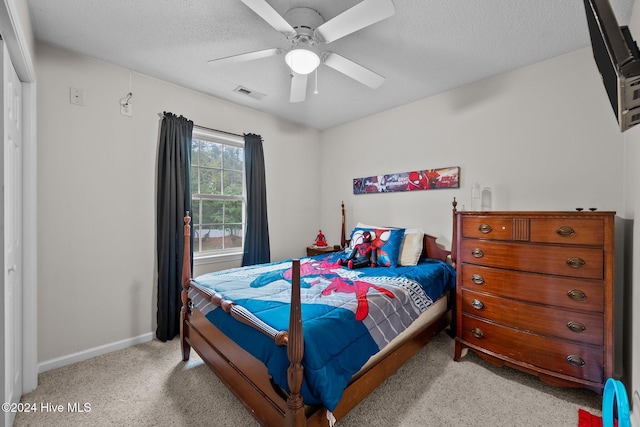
(92,352)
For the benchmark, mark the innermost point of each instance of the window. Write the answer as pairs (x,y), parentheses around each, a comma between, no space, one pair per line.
(217,191)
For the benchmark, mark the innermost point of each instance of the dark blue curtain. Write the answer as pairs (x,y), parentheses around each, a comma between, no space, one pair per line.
(173,201)
(256,242)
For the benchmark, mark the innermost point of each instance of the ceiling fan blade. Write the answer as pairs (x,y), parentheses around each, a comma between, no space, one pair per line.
(269,14)
(353,70)
(244,57)
(365,13)
(298,87)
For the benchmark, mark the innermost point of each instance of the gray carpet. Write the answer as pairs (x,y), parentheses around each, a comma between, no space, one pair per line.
(149,385)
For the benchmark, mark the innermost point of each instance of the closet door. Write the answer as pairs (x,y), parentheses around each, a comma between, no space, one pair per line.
(11,330)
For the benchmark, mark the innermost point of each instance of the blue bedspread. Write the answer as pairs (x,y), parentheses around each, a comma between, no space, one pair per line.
(348,315)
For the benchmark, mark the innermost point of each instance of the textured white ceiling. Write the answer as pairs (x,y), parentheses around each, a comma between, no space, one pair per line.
(427,47)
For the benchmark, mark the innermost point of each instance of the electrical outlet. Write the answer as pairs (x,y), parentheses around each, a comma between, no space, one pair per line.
(76,96)
(126,109)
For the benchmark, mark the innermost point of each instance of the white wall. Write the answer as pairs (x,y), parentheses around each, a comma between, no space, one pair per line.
(631,209)
(543,137)
(96,202)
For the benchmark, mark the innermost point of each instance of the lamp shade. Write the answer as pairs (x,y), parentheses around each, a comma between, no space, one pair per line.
(301,60)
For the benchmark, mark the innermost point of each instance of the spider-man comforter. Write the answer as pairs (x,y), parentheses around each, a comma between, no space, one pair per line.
(348,315)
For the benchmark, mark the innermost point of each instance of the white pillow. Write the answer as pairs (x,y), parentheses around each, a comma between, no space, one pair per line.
(361,225)
(411,248)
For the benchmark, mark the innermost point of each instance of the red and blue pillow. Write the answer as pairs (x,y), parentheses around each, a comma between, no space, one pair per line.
(388,242)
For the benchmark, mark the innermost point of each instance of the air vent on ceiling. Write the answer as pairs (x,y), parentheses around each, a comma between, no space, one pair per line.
(252,93)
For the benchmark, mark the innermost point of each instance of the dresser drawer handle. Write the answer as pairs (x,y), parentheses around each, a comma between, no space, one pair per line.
(576,262)
(566,231)
(485,228)
(576,295)
(477,279)
(477,304)
(477,252)
(576,327)
(576,361)
(477,332)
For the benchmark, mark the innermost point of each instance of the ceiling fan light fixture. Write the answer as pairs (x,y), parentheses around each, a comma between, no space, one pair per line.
(302,60)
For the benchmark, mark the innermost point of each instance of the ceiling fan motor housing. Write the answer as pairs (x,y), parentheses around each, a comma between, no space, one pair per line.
(305,21)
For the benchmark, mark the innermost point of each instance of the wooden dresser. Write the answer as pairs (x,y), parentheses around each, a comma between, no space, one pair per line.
(535,292)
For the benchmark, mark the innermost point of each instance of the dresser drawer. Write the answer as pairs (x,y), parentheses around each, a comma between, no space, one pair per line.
(495,228)
(576,231)
(574,294)
(560,260)
(552,354)
(570,325)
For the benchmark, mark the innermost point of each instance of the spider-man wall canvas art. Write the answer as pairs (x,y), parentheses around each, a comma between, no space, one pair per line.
(426,179)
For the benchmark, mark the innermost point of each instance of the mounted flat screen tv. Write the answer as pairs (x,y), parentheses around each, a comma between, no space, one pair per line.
(618,60)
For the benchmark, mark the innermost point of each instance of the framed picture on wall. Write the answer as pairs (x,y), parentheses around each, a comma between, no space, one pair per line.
(426,179)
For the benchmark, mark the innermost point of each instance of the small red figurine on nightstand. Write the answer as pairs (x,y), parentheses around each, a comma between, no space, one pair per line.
(320,239)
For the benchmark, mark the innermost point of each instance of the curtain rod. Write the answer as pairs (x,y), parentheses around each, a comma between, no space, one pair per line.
(221,131)
(211,129)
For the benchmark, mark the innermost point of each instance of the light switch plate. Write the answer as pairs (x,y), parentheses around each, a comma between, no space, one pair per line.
(126,109)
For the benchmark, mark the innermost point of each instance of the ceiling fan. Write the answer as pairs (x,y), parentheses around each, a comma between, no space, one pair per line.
(306,32)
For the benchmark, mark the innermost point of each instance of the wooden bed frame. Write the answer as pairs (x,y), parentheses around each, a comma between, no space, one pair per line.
(247,377)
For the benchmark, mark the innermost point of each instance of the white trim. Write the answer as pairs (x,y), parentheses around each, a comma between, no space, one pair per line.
(92,352)
(219,257)
(204,133)
(29,240)
(13,34)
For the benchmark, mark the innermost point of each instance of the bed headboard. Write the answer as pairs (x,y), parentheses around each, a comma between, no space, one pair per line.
(430,249)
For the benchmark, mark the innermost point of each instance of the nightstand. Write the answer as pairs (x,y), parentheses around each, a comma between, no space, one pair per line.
(320,250)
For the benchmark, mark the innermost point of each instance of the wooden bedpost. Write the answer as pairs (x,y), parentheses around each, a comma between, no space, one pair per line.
(186,281)
(295,350)
(343,237)
(452,330)
(454,238)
